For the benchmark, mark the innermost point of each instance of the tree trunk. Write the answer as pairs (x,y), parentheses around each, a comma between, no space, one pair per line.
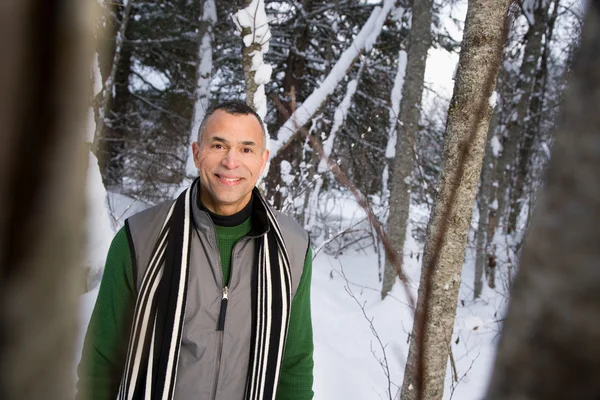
(532,125)
(550,344)
(483,206)
(203,77)
(43,109)
(464,144)
(109,139)
(293,93)
(514,130)
(255,35)
(407,128)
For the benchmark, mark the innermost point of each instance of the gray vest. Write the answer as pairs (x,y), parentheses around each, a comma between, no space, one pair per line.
(201,373)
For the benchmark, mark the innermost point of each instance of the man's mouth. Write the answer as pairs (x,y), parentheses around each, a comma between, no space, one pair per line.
(228,180)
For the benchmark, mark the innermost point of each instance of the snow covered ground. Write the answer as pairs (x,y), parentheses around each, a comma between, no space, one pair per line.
(349,357)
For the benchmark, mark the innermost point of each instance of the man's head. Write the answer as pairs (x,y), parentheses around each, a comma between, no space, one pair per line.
(230,155)
(233,107)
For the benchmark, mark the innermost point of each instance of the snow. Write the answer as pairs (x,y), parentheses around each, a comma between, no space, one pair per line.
(493,100)
(546,150)
(90,130)
(254,17)
(363,40)
(396,98)
(96,76)
(263,74)
(99,228)
(494,205)
(147,78)
(286,172)
(496,146)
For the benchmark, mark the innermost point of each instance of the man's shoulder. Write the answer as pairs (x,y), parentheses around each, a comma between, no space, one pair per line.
(293,233)
(290,225)
(153,215)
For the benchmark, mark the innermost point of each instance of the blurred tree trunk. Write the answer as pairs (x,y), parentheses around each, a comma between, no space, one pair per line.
(550,344)
(464,144)
(43,108)
(407,128)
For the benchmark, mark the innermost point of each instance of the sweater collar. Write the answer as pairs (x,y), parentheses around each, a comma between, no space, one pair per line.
(203,218)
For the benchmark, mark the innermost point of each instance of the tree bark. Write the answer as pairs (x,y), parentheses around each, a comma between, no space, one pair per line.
(550,344)
(464,143)
(407,128)
(483,206)
(43,109)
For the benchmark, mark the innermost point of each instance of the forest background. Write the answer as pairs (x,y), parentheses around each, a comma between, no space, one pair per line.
(355,96)
(409,138)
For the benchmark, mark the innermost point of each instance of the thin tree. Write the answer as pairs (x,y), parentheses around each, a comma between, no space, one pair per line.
(447,231)
(203,76)
(406,130)
(550,343)
(514,131)
(42,171)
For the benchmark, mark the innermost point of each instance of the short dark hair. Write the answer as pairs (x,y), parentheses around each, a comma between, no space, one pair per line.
(233,107)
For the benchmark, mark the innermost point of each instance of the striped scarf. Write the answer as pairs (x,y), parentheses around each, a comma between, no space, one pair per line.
(153,352)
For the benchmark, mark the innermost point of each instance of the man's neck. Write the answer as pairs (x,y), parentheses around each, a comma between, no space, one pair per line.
(228,220)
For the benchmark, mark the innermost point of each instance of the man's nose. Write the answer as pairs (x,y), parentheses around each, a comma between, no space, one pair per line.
(230,160)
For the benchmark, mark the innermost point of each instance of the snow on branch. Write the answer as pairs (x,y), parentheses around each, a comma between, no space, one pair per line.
(253,24)
(363,42)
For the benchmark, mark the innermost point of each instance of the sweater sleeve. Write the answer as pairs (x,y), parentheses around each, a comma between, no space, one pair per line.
(296,377)
(105,345)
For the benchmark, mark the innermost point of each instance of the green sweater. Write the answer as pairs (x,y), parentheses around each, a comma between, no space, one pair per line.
(105,345)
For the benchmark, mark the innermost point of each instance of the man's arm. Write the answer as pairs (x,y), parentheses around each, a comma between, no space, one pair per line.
(105,346)
(296,378)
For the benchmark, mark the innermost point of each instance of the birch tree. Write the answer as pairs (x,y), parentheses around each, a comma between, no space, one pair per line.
(203,77)
(254,27)
(550,343)
(447,231)
(407,127)
(43,105)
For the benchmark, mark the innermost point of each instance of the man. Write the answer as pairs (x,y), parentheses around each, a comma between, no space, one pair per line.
(206,297)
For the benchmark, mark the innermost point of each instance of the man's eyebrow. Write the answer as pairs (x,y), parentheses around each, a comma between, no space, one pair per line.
(225,141)
(218,139)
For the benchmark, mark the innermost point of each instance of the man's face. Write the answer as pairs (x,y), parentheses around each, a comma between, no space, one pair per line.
(230,157)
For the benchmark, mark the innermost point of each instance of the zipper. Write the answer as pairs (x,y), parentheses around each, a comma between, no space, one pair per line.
(220,333)
(221,320)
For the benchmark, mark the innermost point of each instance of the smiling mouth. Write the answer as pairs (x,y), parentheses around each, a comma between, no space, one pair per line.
(228,181)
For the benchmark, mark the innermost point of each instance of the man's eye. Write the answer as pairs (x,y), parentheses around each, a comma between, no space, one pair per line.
(217,146)
(246,150)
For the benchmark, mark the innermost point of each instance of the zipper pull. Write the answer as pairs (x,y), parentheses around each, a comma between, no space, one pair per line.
(224,301)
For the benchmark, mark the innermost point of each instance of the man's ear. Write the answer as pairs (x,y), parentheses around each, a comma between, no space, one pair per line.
(265,158)
(196,153)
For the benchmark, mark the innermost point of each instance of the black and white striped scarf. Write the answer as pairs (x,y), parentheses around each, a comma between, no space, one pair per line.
(153,352)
